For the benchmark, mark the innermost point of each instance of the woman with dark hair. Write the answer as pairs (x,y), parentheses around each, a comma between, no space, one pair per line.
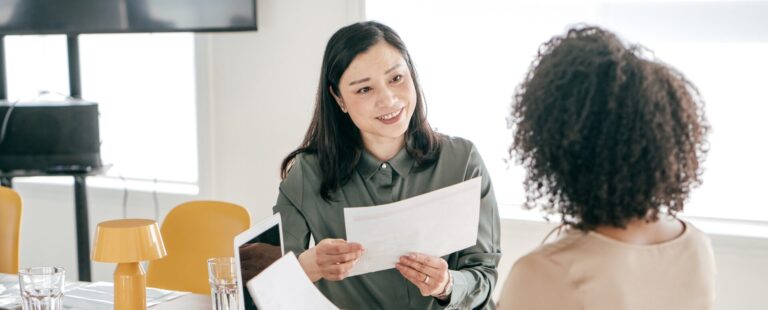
(612,143)
(369,143)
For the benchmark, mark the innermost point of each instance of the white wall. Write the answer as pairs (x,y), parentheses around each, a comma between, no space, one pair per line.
(256,93)
(261,94)
(48,221)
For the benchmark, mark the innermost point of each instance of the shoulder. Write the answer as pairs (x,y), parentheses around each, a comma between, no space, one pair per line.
(305,168)
(457,151)
(696,234)
(455,144)
(693,241)
(304,165)
(700,262)
(537,274)
(699,242)
(557,254)
(533,265)
(461,157)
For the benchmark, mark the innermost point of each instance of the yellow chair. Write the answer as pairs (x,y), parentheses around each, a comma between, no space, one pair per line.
(193,232)
(10,228)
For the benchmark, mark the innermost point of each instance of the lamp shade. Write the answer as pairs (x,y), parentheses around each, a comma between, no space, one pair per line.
(128,240)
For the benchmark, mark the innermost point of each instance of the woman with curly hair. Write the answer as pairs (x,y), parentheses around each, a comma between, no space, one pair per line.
(612,142)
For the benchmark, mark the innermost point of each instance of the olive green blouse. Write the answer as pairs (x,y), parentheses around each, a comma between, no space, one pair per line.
(304,212)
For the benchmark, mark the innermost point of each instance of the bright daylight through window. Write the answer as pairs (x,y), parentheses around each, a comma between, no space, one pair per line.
(472,54)
(144,85)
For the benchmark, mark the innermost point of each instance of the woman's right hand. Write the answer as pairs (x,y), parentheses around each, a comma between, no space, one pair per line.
(330,259)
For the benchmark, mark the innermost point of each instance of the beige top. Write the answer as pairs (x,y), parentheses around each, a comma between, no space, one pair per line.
(591,271)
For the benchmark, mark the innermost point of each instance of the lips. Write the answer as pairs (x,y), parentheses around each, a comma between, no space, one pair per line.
(390,115)
(391,118)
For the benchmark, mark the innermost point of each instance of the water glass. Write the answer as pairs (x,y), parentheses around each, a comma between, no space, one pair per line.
(223,279)
(41,288)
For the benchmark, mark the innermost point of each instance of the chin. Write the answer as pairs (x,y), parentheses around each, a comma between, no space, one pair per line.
(394,133)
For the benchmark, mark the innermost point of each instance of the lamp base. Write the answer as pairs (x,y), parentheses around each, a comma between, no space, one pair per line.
(130,287)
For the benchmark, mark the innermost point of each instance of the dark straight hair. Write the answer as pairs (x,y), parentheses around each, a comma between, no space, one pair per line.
(332,135)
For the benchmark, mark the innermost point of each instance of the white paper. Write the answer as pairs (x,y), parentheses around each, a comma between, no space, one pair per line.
(10,295)
(80,295)
(101,295)
(436,223)
(284,285)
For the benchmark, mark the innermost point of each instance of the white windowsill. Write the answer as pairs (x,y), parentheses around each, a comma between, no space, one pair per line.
(712,226)
(112,183)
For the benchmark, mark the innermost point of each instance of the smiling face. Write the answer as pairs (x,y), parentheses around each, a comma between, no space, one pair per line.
(378,93)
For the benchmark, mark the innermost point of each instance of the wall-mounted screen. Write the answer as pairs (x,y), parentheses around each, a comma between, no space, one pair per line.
(117,16)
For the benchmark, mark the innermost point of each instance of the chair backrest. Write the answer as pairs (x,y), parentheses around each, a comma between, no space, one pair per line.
(10,228)
(192,233)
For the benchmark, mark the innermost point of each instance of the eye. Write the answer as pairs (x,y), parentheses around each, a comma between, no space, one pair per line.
(364,90)
(397,78)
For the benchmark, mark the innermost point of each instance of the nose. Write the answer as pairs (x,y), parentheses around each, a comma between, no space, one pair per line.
(387,97)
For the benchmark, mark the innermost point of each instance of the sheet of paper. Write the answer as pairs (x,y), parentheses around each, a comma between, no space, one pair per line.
(10,296)
(101,295)
(436,223)
(79,295)
(284,285)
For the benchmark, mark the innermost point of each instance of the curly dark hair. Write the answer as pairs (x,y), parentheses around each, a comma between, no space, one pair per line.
(606,134)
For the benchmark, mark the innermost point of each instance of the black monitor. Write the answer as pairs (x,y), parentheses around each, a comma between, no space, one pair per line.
(121,16)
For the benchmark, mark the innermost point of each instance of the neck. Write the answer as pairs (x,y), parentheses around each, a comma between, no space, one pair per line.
(383,148)
(641,232)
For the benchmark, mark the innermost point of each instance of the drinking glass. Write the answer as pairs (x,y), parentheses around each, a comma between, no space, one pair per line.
(41,288)
(223,280)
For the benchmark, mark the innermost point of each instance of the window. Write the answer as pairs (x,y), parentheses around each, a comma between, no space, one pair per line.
(472,54)
(144,85)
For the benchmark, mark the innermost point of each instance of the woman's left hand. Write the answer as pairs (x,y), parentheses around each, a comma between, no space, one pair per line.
(428,273)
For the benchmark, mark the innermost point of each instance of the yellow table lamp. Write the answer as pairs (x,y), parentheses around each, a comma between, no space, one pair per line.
(128,242)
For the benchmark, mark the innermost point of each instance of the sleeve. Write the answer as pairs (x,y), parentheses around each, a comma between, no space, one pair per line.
(295,229)
(475,273)
(536,282)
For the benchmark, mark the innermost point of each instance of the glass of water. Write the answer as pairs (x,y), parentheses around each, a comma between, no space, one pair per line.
(41,288)
(223,279)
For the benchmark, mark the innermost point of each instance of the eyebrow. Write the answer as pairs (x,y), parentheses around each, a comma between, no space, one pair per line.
(368,79)
(359,81)
(393,68)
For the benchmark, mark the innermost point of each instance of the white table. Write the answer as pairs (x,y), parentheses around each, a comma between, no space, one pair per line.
(100,295)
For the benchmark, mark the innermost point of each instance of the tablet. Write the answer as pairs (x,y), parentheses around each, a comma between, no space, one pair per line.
(256,249)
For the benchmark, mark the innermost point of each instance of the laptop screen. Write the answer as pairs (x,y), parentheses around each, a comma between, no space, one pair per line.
(256,249)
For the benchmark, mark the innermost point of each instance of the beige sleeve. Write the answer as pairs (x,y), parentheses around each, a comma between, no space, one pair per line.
(536,282)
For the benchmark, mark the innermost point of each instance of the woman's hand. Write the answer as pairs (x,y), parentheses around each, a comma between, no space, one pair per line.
(331,259)
(428,273)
